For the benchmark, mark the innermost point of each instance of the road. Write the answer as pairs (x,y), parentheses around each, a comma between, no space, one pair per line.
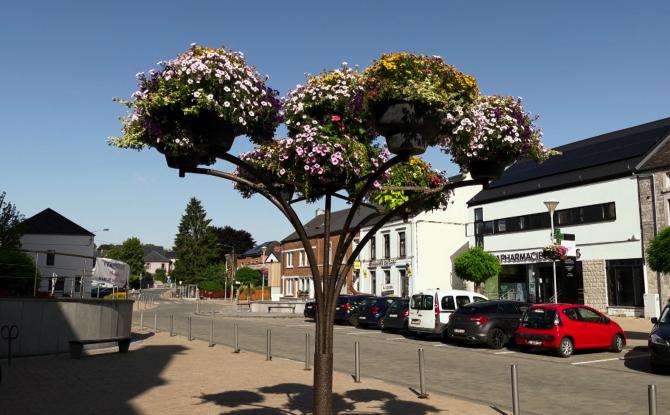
(586,383)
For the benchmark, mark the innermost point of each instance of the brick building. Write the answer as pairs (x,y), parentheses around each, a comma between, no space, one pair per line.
(606,187)
(296,275)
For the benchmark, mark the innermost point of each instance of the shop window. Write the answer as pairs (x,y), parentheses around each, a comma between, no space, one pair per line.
(387,276)
(625,283)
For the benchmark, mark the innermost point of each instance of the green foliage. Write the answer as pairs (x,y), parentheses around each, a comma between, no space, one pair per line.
(196,244)
(658,253)
(160,275)
(476,265)
(132,253)
(212,277)
(248,276)
(231,239)
(10,229)
(17,272)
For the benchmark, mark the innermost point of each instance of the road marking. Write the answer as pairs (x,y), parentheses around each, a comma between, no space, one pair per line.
(440,345)
(611,359)
(506,352)
(341,328)
(299,325)
(395,338)
(360,333)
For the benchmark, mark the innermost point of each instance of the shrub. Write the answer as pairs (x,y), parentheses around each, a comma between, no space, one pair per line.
(658,253)
(476,265)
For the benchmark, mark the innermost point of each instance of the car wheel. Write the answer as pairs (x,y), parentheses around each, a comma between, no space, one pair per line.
(618,343)
(497,338)
(566,347)
(353,320)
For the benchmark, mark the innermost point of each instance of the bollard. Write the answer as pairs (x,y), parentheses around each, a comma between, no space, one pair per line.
(171,325)
(357,362)
(155,322)
(268,344)
(652,400)
(142,320)
(422,380)
(189,328)
(211,333)
(197,307)
(307,351)
(515,391)
(237,341)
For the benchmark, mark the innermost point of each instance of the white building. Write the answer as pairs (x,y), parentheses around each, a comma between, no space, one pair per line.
(405,257)
(597,184)
(64,253)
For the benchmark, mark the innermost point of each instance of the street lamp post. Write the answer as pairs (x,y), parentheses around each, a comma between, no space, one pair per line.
(263,248)
(551,206)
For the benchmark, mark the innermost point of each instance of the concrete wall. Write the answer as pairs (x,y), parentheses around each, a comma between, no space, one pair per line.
(47,325)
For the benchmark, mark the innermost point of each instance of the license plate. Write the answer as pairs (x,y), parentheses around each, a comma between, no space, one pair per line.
(393,315)
(309,306)
(337,308)
(535,342)
(416,321)
(459,331)
(362,318)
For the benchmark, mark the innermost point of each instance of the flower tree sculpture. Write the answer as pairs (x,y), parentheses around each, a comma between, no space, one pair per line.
(195,105)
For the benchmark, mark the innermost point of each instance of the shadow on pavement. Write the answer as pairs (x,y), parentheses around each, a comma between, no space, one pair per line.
(100,383)
(299,401)
(637,335)
(637,359)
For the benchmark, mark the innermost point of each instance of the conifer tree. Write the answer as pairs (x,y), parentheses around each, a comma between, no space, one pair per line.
(196,244)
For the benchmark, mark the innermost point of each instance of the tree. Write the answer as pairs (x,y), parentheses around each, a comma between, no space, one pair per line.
(476,265)
(17,272)
(10,228)
(160,275)
(658,253)
(132,253)
(230,238)
(195,244)
(248,277)
(211,278)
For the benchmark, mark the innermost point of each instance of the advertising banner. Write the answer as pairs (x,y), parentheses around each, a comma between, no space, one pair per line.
(111,272)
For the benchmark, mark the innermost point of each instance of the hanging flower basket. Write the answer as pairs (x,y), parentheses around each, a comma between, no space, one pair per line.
(554,252)
(286,192)
(408,95)
(194,106)
(487,169)
(409,127)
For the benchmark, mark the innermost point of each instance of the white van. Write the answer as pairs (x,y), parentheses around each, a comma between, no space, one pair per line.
(429,310)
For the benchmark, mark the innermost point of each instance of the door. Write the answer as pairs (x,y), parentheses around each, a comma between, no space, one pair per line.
(577,328)
(421,312)
(448,306)
(599,333)
(404,283)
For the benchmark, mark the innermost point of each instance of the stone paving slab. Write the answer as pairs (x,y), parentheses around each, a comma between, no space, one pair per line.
(170,375)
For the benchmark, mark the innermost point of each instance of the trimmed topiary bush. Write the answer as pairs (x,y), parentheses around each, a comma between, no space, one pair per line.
(476,265)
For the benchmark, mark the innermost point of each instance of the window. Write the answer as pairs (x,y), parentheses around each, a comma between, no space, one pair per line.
(448,303)
(588,315)
(479,299)
(401,244)
(571,313)
(51,258)
(373,282)
(421,302)
(387,246)
(462,300)
(301,258)
(479,227)
(387,276)
(289,260)
(373,248)
(625,283)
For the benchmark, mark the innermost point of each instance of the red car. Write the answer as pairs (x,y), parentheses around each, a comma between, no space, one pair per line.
(566,327)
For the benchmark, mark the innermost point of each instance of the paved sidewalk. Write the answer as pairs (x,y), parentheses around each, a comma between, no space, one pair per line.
(637,330)
(170,375)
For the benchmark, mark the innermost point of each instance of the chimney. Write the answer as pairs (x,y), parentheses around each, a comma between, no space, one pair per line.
(319,212)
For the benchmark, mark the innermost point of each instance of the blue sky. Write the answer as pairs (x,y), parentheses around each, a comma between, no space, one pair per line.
(585,67)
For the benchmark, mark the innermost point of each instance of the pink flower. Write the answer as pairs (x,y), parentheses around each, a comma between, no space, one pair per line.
(335,118)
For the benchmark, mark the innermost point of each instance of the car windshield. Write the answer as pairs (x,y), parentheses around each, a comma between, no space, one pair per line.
(421,302)
(665,316)
(539,318)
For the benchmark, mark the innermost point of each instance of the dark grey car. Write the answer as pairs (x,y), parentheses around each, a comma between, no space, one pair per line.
(492,323)
(397,315)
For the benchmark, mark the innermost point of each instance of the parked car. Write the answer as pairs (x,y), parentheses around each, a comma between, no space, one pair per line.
(310,310)
(429,310)
(659,340)
(567,327)
(347,307)
(371,311)
(397,315)
(492,323)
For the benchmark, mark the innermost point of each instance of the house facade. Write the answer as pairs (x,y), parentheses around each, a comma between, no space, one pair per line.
(64,253)
(154,260)
(296,275)
(265,258)
(408,256)
(603,186)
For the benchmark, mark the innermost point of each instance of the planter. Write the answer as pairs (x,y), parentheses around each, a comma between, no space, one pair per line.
(286,192)
(210,131)
(409,127)
(486,169)
(182,161)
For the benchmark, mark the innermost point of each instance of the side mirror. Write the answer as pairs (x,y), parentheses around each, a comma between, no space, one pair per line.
(654,320)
